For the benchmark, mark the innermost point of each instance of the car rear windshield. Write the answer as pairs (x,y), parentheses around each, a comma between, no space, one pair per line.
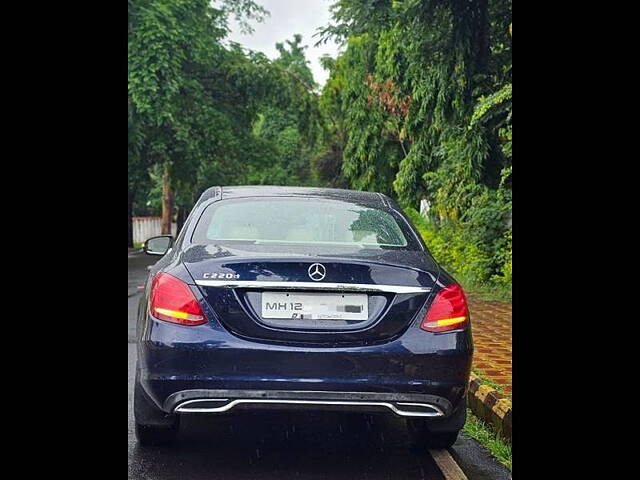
(309,221)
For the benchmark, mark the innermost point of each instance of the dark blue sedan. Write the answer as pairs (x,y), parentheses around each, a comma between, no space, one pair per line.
(300,298)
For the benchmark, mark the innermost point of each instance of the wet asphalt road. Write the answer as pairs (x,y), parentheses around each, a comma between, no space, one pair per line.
(277,445)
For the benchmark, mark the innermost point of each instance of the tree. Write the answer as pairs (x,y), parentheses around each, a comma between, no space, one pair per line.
(294,60)
(203,113)
(420,103)
(290,123)
(191,96)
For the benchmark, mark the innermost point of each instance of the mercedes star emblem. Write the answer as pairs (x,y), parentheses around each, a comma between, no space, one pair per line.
(317,272)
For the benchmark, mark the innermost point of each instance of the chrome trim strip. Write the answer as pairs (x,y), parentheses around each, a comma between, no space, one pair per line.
(182,408)
(359,287)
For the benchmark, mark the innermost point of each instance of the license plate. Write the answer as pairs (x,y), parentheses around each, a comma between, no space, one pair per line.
(315,306)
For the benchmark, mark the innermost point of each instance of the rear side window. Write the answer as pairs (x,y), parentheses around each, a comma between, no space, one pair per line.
(309,221)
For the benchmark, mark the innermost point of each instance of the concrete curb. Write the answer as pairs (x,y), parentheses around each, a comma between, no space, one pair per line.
(490,406)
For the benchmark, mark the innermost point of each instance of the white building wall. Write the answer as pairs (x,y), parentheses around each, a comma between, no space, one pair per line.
(147,227)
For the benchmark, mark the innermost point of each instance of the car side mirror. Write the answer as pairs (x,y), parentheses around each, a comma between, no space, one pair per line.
(158,245)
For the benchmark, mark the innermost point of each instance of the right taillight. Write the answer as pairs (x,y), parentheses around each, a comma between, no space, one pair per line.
(173,301)
(448,311)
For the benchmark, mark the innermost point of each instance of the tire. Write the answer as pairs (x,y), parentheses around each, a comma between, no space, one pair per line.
(150,435)
(421,437)
(152,425)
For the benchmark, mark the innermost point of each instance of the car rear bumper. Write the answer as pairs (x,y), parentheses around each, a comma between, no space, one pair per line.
(209,370)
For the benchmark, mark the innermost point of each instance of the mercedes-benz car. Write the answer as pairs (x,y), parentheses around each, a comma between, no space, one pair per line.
(300,298)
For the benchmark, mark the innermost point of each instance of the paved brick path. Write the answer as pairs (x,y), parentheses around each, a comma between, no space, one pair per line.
(491,323)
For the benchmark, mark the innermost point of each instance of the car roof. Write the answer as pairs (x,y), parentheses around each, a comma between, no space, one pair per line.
(282,191)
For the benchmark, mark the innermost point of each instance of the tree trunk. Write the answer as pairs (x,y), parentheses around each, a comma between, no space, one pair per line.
(182,216)
(167,204)
(131,196)
(484,47)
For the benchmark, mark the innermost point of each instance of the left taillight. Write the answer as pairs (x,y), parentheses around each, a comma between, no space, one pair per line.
(173,301)
(448,311)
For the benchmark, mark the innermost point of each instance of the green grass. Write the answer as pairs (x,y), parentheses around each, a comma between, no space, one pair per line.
(486,437)
(486,381)
(138,244)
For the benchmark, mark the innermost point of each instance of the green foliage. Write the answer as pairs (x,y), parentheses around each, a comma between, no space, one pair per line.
(503,256)
(419,104)
(492,105)
(481,268)
(292,127)
(212,113)
(361,128)
(294,61)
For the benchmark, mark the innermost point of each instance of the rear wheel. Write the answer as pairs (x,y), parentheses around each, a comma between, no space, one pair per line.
(421,437)
(152,425)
